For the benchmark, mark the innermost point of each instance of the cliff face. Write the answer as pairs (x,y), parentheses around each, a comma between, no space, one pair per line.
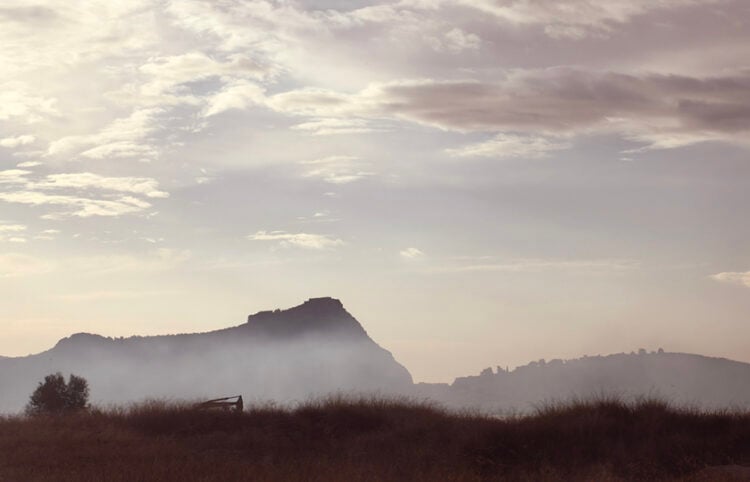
(309,350)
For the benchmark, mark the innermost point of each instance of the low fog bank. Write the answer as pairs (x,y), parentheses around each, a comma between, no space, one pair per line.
(684,380)
(308,351)
(124,371)
(318,349)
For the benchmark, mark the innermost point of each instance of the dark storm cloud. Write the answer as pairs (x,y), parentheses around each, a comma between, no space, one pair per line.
(556,100)
(564,99)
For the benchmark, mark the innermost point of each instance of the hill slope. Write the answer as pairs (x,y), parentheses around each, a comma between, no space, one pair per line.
(311,349)
(318,347)
(682,378)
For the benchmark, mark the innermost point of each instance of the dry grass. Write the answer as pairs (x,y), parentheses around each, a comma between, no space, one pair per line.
(373,440)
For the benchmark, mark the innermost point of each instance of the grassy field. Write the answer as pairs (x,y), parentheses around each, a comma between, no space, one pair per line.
(375,440)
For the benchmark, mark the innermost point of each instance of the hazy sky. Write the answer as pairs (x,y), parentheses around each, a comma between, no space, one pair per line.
(481,182)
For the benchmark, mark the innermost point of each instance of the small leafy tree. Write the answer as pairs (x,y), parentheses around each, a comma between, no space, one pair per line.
(54,396)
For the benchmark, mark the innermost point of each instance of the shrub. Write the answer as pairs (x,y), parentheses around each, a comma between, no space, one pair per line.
(54,396)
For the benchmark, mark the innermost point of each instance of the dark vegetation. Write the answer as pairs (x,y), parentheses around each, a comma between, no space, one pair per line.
(374,440)
(55,396)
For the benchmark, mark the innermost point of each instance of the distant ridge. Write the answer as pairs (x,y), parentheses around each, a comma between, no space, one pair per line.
(681,378)
(308,350)
(318,347)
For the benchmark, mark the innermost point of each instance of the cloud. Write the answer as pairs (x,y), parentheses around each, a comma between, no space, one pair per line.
(171,75)
(336,169)
(16,102)
(300,240)
(70,32)
(741,278)
(573,100)
(12,233)
(411,253)
(14,176)
(27,164)
(310,101)
(80,203)
(122,149)
(239,95)
(554,101)
(122,138)
(332,126)
(85,180)
(17,141)
(167,96)
(574,19)
(319,217)
(47,235)
(77,206)
(503,146)
(12,228)
(455,41)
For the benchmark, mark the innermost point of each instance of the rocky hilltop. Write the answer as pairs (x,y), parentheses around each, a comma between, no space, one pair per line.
(308,350)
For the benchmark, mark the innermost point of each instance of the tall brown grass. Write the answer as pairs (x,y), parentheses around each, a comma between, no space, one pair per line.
(341,439)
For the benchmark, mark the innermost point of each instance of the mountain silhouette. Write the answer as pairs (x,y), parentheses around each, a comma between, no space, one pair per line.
(308,350)
(318,348)
(680,378)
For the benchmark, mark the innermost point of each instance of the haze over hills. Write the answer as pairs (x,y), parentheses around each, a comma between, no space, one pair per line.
(311,349)
(680,378)
(318,348)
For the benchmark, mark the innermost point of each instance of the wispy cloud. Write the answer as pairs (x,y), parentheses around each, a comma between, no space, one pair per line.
(171,75)
(337,169)
(333,126)
(14,176)
(235,96)
(300,240)
(27,164)
(733,277)
(81,194)
(17,104)
(17,141)
(503,146)
(77,206)
(411,253)
(12,233)
(574,19)
(85,180)
(126,137)
(454,41)
(11,228)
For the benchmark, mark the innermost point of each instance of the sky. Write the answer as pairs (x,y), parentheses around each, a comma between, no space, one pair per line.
(480,182)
